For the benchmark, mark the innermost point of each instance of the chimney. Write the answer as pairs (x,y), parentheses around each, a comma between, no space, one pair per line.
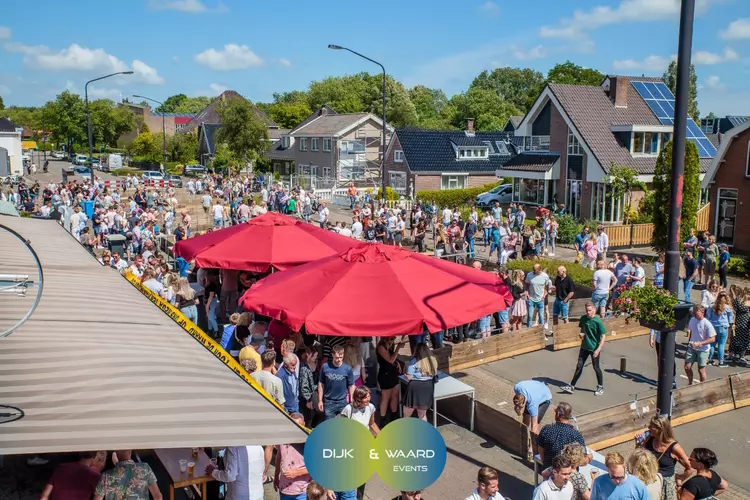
(470,126)
(618,91)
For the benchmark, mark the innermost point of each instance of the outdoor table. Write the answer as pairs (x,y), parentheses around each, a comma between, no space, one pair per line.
(447,387)
(597,463)
(170,459)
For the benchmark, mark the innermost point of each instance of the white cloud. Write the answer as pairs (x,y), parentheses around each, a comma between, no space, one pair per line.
(213,89)
(715,83)
(104,93)
(738,29)
(538,52)
(626,11)
(78,58)
(651,63)
(189,6)
(705,57)
(285,62)
(5,33)
(489,8)
(231,57)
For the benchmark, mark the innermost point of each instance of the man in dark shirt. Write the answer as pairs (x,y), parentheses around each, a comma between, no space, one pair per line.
(469,231)
(76,480)
(335,383)
(564,290)
(370,233)
(691,273)
(380,229)
(554,437)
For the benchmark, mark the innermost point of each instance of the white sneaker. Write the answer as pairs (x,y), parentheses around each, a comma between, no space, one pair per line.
(35,461)
(546,326)
(550,255)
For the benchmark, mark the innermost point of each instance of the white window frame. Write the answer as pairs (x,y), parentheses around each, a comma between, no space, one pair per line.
(327,144)
(303,144)
(402,180)
(314,144)
(398,156)
(574,146)
(326,172)
(452,176)
(285,141)
(362,133)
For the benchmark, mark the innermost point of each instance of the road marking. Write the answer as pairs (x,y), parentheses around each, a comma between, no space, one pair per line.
(501,403)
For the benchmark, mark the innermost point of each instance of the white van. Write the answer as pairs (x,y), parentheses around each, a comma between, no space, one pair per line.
(114,161)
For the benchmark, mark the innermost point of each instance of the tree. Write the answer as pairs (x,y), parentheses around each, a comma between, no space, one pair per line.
(517,86)
(489,110)
(711,116)
(67,119)
(193,105)
(575,75)
(225,158)
(622,181)
(147,147)
(183,147)
(241,130)
(670,79)
(171,103)
(287,115)
(2,103)
(662,187)
(342,93)
(429,105)
(293,97)
(110,121)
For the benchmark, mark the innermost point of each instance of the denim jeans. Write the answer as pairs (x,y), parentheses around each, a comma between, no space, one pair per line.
(470,248)
(332,410)
(722,332)
(688,285)
(191,313)
(213,325)
(347,495)
(487,231)
(539,306)
(301,496)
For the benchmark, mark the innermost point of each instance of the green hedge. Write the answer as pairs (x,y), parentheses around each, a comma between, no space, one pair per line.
(122,172)
(581,275)
(455,197)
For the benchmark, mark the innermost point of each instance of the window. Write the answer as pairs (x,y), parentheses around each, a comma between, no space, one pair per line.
(654,144)
(453,181)
(327,172)
(536,143)
(362,132)
(398,156)
(574,147)
(285,141)
(708,126)
(326,145)
(398,181)
(489,147)
(303,144)
(603,207)
(314,144)
(645,143)
(638,140)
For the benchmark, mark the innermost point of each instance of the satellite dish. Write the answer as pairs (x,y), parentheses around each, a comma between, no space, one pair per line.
(21,281)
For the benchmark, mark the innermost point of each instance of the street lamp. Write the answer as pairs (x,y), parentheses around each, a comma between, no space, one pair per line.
(382,158)
(666,351)
(88,117)
(163,127)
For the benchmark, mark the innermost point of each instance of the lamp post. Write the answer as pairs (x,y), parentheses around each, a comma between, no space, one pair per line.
(382,157)
(667,343)
(88,117)
(163,128)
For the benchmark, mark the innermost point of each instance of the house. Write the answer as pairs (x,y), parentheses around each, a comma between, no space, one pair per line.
(574,134)
(172,123)
(333,147)
(11,151)
(207,122)
(728,184)
(431,160)
(715,128)
(513,123)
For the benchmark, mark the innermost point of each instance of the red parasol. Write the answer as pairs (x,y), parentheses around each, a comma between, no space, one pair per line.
(269,241)
(377,290)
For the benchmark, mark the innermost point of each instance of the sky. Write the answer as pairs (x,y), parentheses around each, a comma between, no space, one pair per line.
(202,47)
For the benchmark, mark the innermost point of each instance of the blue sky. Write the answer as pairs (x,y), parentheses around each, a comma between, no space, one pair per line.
(201,47)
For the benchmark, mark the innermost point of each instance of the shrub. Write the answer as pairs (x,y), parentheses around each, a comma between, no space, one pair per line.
(122,172)
(567,229)
(581,275)
(646,303)
(390,194)
(738,266)
(455,197)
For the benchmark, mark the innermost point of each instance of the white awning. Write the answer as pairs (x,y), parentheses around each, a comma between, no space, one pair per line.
(99,367)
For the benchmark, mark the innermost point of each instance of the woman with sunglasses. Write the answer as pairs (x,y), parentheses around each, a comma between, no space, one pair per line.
(721,317)
(706,483)
(660,441)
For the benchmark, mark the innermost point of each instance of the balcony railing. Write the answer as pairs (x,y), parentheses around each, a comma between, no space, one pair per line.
(536,143)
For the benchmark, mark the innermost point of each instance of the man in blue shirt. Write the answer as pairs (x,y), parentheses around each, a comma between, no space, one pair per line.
(623,270)
(723,264)
(618,484)
(691,273)
(335,383)
(532,399)
(581,239)
(290,382)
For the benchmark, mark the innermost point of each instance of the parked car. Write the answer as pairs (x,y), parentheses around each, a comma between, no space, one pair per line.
(80,160)
(95,163)
(194,170)
(152,175)
(82,169)
(176,180)
(58,155)
(502,193)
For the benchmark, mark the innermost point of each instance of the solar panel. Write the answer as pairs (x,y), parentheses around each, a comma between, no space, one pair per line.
(661,101)
(737,120)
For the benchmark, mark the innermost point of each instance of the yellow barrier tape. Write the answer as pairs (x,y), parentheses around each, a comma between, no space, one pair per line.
(199,335)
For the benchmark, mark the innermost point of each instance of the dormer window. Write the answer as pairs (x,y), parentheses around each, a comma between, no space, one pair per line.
(285,141)
(476,152)
(645,143)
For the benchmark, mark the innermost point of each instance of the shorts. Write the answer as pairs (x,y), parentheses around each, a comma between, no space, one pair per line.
(561,309)
(484,323)
(502,316)
(599,300)
(541,411)
(692,356)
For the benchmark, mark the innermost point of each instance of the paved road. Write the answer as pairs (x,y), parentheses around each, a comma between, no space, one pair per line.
(55,169)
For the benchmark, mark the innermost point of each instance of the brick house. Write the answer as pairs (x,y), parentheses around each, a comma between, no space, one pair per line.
(432,160)
(173,122)
(333,148)
(728,184)
(573,134)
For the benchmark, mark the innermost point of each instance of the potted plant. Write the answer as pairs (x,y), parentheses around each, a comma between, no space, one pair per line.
(655,308)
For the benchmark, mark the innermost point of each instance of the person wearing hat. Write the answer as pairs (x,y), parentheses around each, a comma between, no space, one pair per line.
(723,264)
(254,349)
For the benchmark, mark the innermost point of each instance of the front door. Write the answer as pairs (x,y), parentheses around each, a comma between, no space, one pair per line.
(726,213)
(573,198)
